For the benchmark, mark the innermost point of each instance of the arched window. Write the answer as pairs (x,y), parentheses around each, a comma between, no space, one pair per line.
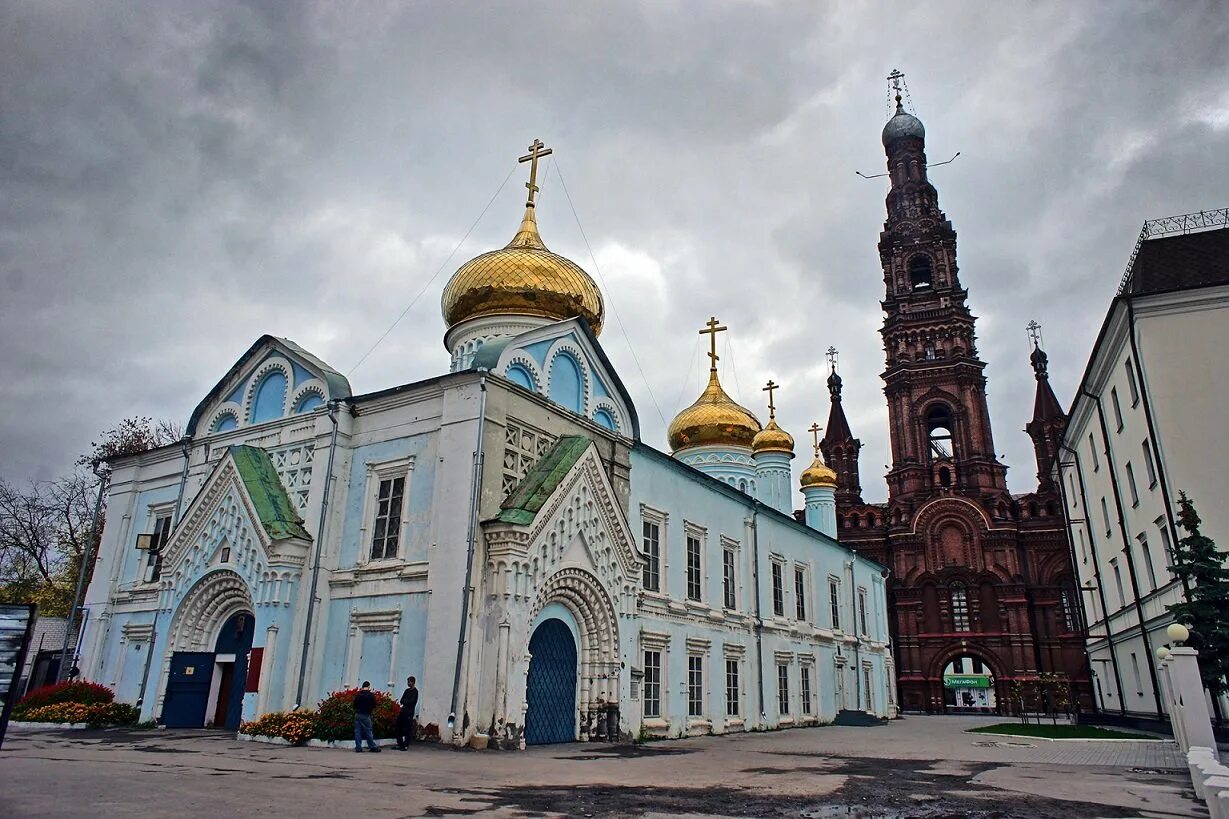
(1032,510)
(270,400)
(605,419)
(225,423)
(920,272)
(1051,509)
(945,476)
(960,607)
(565,383)
(742,486)
(517,374)
(939,431)
(308,402)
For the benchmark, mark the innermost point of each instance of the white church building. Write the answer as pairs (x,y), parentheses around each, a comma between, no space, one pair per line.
(499,531)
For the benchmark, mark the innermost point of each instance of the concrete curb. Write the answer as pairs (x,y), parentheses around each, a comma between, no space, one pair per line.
(335,744)
(50,726)
(1063,739)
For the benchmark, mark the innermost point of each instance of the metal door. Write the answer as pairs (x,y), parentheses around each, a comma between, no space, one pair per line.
(187,689)
(551,687)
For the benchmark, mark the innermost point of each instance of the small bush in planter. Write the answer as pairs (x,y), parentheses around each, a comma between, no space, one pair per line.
(336,720)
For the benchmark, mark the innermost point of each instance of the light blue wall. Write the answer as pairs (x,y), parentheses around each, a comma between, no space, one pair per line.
(421,489)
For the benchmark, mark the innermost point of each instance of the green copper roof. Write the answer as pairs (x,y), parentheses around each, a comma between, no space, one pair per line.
(273,506)
(523,504)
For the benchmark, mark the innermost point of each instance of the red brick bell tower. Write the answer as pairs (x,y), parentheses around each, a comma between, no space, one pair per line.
(982,583)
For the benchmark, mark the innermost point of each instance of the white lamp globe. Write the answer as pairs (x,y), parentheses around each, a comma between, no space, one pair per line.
(1162,653)
(1177,633)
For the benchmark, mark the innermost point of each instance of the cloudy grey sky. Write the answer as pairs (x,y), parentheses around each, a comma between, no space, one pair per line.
(178,178)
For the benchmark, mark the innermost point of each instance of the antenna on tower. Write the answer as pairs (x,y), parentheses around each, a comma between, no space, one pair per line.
(898,90)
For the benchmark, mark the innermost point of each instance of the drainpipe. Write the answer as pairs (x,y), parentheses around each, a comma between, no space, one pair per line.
(475,496)
(759,622)
(86,557)
(1157,462)
(1126,550)
(334,405)
(857,646)
(185,444)
(1096,573)
(1082,622)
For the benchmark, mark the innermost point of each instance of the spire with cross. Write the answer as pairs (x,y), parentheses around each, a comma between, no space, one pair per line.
(536,151)
(772,408)
(832,355)
(815,429)
(1034,333)
(712,328)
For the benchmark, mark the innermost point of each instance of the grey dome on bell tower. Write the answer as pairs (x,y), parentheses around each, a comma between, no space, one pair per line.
(902,125)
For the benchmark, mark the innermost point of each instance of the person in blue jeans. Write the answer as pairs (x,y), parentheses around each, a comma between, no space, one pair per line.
(364,704)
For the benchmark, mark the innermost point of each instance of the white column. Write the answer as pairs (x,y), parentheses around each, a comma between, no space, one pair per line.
(1187,688)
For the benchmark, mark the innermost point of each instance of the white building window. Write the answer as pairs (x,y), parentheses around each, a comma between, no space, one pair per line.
(1166,544)
(1149,466)
(834,598)
(862,612)
(695,685)
(1092,448)
(386,532)
(1122,598)
(732,695)
(1147,558)
(1131,485)
(729,577)
(800,593)
(1117,407)
(1083,546)
(652,683)
(651,532)
(1105,513)
(160,534)
(804,690)
(1131,385)
(1139,680)
(695,551)
(778,588)
(783,689)
(867,674)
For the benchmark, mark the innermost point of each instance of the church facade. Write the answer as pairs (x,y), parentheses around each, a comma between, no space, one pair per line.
(982,591)
(499,531)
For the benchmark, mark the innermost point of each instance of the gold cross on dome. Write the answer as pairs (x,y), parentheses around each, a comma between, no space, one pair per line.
(814,430)
(536,151)
(713,328)
(772,409)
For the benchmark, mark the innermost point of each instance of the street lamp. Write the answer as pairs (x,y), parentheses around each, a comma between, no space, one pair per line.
(1162,653)
(1178,633)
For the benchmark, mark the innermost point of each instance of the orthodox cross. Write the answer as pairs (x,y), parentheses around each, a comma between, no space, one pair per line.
(814,430)
(895,77)
(772,409)
(713,328)
(1034,333)
(831,356)
(536,151)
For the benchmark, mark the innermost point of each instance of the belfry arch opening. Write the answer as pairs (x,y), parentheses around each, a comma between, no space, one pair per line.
(921,272)
(939,426)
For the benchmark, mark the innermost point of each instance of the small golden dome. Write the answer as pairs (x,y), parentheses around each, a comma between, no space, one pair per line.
(522,278)
(818,474)
(714,419)
(773,439)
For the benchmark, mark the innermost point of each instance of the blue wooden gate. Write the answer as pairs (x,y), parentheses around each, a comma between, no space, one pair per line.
(187,689)
(551,686)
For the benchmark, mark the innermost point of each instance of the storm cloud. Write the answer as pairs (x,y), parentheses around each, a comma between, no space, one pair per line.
(178,178)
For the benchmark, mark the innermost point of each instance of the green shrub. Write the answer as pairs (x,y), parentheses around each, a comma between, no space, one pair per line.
(296,727)
(97,715)
(336,720)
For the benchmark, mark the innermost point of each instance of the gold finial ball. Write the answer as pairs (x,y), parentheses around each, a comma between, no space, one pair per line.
(715,419)
(1162,653)
(818,474)
(773,439)
(1178,633)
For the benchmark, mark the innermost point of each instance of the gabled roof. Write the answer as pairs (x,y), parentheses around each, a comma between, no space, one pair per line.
(527,499)
(273,506)
(339,386)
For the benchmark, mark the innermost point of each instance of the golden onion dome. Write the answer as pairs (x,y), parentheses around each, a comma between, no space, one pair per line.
(818,474)
(773,439)
(714,419)
(522,278)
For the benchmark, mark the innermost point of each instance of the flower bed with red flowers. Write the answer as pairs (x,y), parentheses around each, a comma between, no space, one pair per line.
(98,714)
(336,716)
(296,727)
(77,691)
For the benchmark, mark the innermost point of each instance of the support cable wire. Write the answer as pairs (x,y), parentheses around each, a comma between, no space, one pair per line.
(686,382)
(609,295)
(738,391)
(435,275)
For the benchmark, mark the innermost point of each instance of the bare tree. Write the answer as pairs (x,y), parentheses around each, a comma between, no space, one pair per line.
(130,436)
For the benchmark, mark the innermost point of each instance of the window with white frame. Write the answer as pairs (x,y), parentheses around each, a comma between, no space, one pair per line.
(732,696)
(1105,513)
(1083,546)
(386,528)
(1149,466)
(694,567)
(1131,385)
(161,533)
(729,579)
(862,611)
(867,678)
(800,593)
(695,685)
(1144,555)
(778,588)
(651,532)
(1166,544)
(1139,680)
(804,690)
(1117,407)
(1092,448)
(834,601)
(1131,485)
(652,683)
(1122,598)
(783,689)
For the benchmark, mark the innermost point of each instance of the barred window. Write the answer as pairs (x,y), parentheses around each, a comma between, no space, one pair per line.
(804,689)
(728,579)
(800,594)
(695,686)
(652,555)
(731,688)
(862,611)
(652,683)
(387,529)
(960,607)
(778,591)
(834,597)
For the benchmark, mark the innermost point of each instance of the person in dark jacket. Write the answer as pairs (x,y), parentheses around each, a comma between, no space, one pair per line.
(364,704)
(406,724)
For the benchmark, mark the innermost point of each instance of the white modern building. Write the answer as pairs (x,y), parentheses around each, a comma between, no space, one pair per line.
(1147,422)
(499,531)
